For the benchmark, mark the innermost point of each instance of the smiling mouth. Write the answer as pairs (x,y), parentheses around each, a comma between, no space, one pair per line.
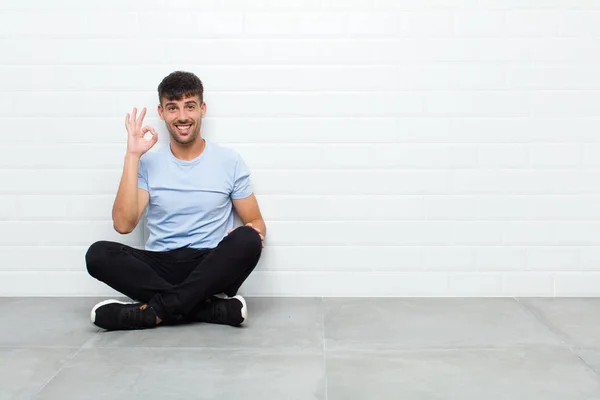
(183,129)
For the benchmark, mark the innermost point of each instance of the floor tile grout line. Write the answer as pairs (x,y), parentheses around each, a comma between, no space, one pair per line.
(531,311)
(37,347)
(66,362)
(324,349)
(393,352)
(541,320)
(268,350)
(276,351)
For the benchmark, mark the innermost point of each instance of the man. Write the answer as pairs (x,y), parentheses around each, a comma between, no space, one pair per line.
(194,262)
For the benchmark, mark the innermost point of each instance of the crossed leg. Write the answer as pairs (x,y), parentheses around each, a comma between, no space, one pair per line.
(179,283)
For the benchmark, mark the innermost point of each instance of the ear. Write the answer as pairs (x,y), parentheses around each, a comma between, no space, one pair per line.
(203,109)
(160,112)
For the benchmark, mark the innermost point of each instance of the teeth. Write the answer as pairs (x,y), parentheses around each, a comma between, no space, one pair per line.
(183,128)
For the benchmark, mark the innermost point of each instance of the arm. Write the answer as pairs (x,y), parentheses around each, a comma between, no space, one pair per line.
(130,202)
(249,213)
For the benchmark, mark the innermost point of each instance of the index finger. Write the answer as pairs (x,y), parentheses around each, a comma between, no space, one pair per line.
(141,119)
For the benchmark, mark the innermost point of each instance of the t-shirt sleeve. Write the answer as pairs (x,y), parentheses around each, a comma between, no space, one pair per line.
(143,176)
(241,180)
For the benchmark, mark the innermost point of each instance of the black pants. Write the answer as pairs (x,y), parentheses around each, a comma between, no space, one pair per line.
(176,282)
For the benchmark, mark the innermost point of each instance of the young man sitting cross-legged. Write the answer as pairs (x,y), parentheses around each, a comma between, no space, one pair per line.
(194,262)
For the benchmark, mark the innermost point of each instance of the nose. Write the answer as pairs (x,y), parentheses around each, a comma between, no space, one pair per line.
(182,115)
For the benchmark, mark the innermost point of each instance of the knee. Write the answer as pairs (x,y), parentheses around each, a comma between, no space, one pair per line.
(96,258)
(247,239)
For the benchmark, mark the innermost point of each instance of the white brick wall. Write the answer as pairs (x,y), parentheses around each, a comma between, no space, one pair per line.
(399,148)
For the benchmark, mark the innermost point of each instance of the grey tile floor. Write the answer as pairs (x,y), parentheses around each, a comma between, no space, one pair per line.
(310,348)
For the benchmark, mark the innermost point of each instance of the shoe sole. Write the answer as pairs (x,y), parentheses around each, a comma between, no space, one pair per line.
(244,307)
(103,303)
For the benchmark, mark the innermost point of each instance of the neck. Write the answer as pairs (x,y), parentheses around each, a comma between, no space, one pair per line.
(189,151)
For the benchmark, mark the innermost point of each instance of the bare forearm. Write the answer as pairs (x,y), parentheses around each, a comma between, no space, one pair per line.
(125,208)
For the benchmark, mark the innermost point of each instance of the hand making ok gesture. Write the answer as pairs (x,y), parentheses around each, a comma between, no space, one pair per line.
(136,143)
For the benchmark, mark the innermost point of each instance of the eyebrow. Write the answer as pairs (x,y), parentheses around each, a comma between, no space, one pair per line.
(186,103)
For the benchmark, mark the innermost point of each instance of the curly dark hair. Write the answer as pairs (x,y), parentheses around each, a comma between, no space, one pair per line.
(180,84)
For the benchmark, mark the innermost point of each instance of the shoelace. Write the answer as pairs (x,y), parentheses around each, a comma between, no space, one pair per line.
(133,317)
(217,311)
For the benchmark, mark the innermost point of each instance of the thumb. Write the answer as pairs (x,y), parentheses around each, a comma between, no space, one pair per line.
(153,132)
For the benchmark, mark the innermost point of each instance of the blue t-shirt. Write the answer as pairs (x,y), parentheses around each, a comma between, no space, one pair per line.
(190,201)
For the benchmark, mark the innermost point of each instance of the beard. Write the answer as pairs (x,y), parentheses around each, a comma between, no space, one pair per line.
(187,139)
